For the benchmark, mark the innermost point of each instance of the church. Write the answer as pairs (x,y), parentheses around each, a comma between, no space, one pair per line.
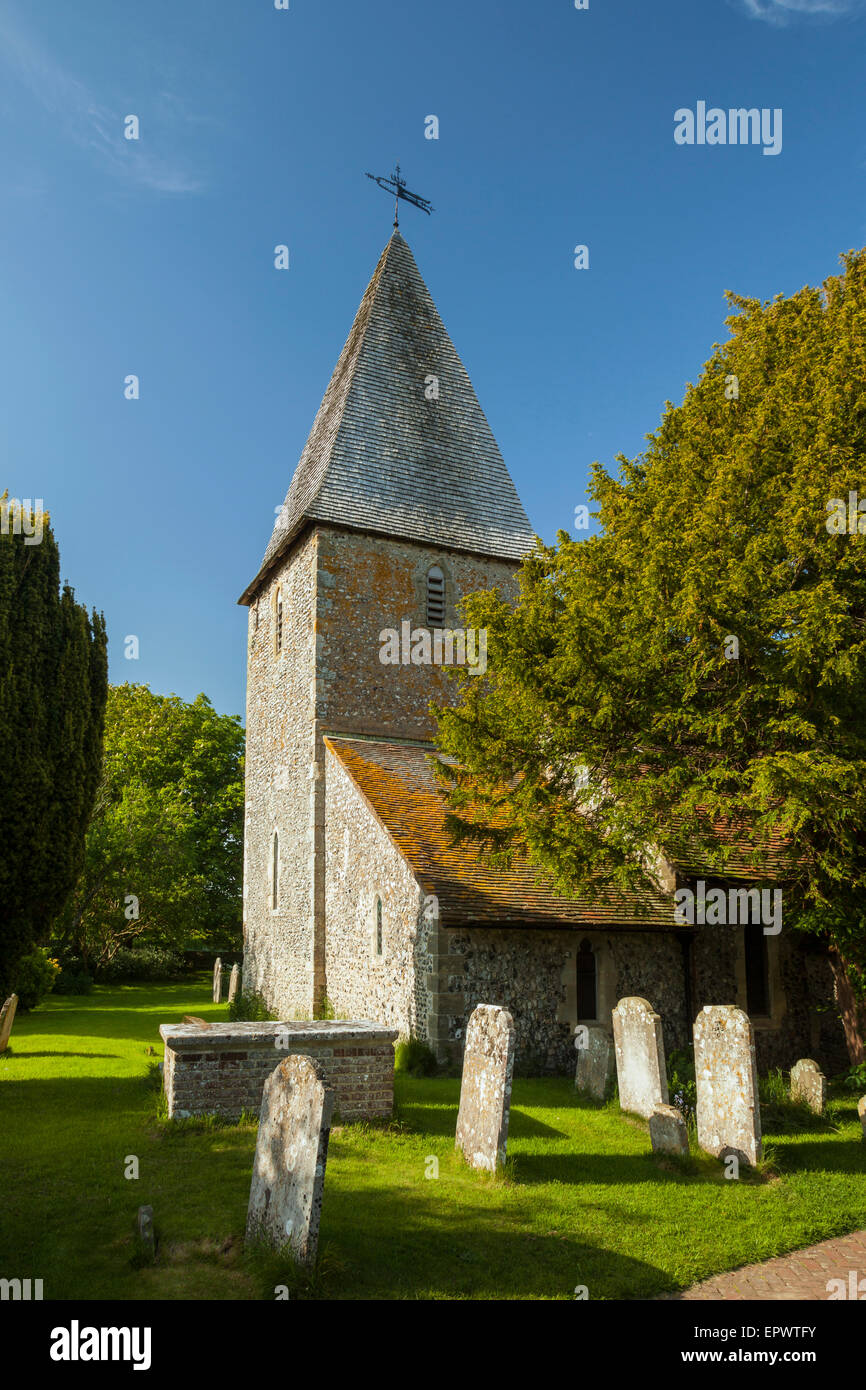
(355,898)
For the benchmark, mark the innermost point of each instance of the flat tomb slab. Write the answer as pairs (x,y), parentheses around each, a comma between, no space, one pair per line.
(221,1068)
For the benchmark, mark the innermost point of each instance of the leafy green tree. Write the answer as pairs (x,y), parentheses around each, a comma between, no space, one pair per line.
(53,682)
(164,858)
(699,666)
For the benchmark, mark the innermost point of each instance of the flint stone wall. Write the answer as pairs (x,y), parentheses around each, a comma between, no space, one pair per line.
(726,1077)
(222,1069)
(640,1057)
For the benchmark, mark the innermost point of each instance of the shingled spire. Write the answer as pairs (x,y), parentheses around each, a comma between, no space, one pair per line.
(385,459)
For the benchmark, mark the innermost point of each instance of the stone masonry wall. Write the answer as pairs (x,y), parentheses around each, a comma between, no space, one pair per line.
(362,864)
(222,1069)
(369,583)
(279,946)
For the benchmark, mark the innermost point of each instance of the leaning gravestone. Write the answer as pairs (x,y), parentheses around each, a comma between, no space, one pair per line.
(7,1018)
(594,1060)
(217,980)
(861,1111)
(640,1057)
(726,1079)
(234,980)
(291,1154)
(668,1132)
(146,1233)
(485,1090)
(809,1084)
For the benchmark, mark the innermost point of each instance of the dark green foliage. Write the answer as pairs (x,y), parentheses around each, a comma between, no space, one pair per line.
(250,1008)
(855,1078)
(164,857)
(34,977)
(73,982)
(681,1082)
(53,683)
(141,963)
(618,714)
(415,1057)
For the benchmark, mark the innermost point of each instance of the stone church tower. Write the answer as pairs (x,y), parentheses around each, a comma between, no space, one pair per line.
(400,505)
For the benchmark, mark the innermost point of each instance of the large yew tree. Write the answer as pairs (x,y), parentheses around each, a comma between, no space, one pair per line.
(702,659)
(53,683)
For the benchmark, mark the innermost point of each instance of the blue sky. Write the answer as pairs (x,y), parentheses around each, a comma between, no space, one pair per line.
(155,257)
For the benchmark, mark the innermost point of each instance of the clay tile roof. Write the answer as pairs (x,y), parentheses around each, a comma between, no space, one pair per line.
(399,784)
(383,458)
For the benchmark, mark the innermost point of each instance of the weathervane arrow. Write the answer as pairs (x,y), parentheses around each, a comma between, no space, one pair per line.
(396,185)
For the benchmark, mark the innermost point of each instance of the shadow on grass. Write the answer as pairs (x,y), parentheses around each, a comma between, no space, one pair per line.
(471,1250)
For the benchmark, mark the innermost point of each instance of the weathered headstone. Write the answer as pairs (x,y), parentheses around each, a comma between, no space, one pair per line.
(217,980)
(726,1077)
(144,1226)
(291,1154)
(234,981)
(809,1084)
(485,1090)
(7,1018)
(861,1111)
(668,1132)
(594,1060)
(640,1057)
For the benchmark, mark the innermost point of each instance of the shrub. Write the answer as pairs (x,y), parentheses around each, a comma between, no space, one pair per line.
(854,1079)
(73,982)
(34,977)
(681,1083)
(415,1057)
(147,963)
(250,1007)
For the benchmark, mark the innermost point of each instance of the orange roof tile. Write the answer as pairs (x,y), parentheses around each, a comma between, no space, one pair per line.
(399,784)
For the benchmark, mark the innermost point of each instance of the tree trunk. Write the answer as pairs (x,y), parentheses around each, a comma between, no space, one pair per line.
(852,1012)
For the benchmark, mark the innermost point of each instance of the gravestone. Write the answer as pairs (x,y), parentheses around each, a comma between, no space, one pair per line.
(234,981)
(291,1154)
(809,1084)
(861,1111)
(726,1078)
(594,1060)
(7,1018)
(217,980)
(485,1089)
(640,1057)
(668,1132)
(146,1234)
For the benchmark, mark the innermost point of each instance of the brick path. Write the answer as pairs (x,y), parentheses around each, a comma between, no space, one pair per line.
(802,1274)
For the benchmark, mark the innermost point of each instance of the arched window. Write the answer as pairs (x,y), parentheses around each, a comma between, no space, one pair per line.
(435,596)
(757,970)
(275,872)
(587,991)
(278,624)
(378,926)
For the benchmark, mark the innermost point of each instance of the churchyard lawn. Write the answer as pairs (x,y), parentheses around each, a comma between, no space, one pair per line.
(583,1201)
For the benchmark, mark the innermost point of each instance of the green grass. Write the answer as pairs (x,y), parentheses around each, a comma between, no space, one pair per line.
(583,1201)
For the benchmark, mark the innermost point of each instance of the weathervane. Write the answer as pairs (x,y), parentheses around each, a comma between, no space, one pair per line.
(397,186)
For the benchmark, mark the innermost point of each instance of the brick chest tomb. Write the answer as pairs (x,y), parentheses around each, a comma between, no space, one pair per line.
(220,1068)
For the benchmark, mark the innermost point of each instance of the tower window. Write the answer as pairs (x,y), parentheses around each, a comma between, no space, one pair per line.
(256,617)
(435,596)
(587,991)
(278,630)
(275,873)
(378,926)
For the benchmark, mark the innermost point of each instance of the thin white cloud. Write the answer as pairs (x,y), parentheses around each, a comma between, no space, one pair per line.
(786,11)
(88,122)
